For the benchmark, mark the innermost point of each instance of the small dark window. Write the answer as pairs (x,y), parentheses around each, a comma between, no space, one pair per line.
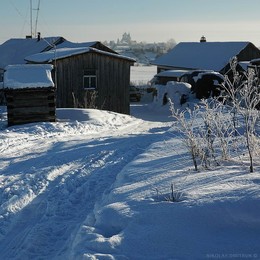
(90,79)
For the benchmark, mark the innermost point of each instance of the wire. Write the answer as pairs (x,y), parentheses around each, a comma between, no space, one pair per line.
(25,20)
(17,10)
(22,31)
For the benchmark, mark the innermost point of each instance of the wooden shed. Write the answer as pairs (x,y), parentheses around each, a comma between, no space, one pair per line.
(30,94)
(89,78)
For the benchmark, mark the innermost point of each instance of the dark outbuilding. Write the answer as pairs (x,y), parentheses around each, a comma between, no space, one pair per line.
(30,94)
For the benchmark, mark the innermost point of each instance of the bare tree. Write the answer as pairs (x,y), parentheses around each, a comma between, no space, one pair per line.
(244,97)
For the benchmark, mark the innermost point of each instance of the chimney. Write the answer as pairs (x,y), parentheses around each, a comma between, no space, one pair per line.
(203,39)
(38,36)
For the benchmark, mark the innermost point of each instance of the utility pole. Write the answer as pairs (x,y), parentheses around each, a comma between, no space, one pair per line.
(37,15)
(31,18)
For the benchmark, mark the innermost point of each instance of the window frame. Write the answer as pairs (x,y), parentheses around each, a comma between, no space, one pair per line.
(88,77)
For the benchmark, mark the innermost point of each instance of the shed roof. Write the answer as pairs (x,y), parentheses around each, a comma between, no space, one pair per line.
(28,76)
(171,73)
(61,53)
(68,44)
(94,44)
(201,55)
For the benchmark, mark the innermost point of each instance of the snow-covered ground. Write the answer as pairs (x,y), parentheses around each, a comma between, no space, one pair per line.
(94,185)
(141,75)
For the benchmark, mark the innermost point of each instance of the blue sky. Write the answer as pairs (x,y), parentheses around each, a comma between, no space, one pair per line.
(146,20)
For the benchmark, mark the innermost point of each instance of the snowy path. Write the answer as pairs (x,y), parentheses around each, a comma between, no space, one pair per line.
(50,183)
(94,185)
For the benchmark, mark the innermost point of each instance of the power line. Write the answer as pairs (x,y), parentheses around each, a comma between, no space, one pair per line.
(25,20)
(33,31)
(18,11)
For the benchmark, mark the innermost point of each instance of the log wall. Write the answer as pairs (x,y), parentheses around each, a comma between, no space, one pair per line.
(30,105)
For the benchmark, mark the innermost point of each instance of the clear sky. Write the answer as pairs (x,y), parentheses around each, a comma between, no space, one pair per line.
(145,20)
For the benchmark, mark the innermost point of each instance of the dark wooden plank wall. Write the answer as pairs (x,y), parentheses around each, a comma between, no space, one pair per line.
(30,105)
(113,79)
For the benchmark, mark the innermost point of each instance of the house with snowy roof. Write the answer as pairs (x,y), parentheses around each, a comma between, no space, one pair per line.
(13,51)
(86,74)
(88,77)
(205,55)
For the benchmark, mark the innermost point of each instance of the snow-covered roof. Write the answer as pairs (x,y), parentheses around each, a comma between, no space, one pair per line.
(244,64)
(255,61)
(201,55)
(28,76)
(50,56)
(212,73)
(68,44)
(171,73)
(14,51)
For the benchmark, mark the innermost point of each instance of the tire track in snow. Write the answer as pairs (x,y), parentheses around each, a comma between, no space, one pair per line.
(55,215)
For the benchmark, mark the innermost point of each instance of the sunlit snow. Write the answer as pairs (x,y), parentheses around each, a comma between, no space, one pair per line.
(94,185)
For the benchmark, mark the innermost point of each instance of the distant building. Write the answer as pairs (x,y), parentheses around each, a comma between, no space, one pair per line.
(142,52)
(126,38)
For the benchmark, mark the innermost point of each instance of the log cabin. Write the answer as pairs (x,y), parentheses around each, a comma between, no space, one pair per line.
(30,94)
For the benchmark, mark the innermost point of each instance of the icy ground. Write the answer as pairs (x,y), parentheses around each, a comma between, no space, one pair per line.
(94,185)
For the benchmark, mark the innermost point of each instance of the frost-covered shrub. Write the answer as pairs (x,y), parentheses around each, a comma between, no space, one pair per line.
(186,124)
(206,131)
(242,94)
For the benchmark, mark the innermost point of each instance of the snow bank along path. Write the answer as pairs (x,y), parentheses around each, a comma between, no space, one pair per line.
(93,186)
(53,174)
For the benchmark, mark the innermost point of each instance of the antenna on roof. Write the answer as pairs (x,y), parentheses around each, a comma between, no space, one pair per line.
(34,33)
(31,18)
(37,16)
